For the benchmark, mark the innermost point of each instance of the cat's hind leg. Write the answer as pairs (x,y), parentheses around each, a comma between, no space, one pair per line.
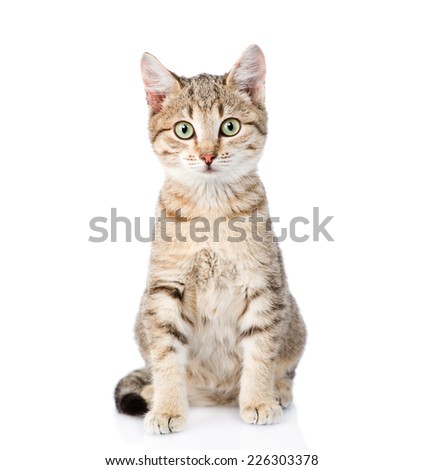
(284,382)
(284,392)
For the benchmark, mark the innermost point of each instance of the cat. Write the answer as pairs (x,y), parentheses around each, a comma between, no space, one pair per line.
(217,323)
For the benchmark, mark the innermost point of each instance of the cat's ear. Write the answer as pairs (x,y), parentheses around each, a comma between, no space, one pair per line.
(158,81)
(248,74)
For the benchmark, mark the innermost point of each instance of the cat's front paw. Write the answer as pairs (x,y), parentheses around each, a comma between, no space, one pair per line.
(263,413)
(163,423)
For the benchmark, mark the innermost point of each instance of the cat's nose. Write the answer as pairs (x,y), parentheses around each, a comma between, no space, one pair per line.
(208,158)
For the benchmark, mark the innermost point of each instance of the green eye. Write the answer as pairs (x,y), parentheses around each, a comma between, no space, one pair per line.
(184,130)
(230,127)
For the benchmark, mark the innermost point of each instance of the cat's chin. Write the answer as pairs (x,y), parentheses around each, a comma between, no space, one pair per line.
(210,174)
(209,171)
(214,176)
(193,174)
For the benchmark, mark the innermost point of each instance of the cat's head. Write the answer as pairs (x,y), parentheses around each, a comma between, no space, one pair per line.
(208,127)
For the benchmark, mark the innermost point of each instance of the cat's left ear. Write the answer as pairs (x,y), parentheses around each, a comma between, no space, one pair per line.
(158,81)
(249,73)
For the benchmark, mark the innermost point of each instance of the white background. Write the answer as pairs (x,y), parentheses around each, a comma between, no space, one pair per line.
(345,102)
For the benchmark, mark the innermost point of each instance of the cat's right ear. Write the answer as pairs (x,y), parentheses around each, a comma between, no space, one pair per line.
(158,81)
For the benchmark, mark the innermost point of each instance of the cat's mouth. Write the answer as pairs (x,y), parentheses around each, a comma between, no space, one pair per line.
(209,170)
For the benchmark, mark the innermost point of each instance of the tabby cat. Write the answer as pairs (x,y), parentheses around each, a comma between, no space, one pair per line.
(217,323)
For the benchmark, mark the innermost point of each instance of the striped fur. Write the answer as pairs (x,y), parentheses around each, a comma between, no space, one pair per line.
(217,323)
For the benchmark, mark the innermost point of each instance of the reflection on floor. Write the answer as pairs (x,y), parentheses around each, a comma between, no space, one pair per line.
(217,428)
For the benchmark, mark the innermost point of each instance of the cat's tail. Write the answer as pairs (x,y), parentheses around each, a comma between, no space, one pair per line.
(128,397)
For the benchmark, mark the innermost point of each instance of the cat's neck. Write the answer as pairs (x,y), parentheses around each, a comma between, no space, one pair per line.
(213,198)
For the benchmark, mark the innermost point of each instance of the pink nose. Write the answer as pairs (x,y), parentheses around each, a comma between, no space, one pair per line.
(208,158)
